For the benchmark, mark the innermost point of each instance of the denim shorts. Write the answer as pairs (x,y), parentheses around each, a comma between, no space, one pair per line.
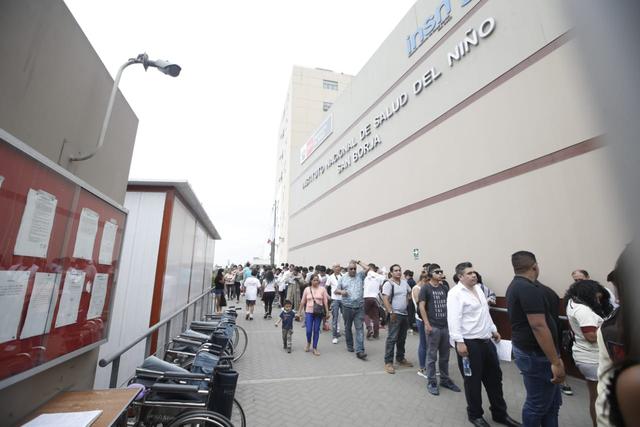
(588,370)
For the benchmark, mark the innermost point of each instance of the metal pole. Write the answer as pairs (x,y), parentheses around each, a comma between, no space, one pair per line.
(107,117)
(147,346)
(273,239)
(167,336)
(115,367)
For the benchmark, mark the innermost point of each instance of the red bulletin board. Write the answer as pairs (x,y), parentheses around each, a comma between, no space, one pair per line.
(22,170)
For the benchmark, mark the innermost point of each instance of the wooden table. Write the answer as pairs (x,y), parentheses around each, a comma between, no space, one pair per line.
(113,402)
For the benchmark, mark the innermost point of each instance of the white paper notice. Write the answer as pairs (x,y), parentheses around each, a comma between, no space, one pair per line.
(41,305)
(1,180)
(98,295)
(504,350)
(70,300)
(65,419)
(35,228)
(86,236)
(13,287)
(108,241)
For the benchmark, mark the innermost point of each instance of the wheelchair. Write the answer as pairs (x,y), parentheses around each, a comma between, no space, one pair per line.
(219,330)
(173,396)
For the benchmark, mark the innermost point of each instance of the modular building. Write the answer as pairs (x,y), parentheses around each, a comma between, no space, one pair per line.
(166,263)
(470,133)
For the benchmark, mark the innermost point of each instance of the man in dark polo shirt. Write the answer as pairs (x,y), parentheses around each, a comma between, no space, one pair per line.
(535,336)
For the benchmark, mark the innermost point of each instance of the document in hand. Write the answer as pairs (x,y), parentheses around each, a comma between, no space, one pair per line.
(65,419)
(504,350)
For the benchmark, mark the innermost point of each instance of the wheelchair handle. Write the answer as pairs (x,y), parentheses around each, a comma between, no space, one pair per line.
(174,388)
(185,375)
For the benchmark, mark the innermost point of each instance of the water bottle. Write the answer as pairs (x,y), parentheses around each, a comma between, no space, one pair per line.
(466,366)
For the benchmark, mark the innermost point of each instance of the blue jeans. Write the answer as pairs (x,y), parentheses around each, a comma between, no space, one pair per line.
(336,310)
(543,400)
(396,337)
(313,327)
(354,317)
(422,346)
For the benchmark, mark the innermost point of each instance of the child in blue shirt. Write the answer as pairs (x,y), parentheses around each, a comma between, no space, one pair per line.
(286,317)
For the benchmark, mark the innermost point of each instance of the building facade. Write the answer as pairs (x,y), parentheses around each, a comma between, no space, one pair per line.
(310,97)
(54,90)
(470,134)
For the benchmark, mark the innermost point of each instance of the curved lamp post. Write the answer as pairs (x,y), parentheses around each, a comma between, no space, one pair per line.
(165,67)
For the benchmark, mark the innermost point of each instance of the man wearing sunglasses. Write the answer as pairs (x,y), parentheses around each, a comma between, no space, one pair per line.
(351,288)
(433,311)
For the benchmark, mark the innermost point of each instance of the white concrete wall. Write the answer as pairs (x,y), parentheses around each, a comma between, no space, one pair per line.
(524,96)
(136,279)
(303,113)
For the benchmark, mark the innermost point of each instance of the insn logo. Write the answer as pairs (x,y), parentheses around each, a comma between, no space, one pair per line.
(432,24)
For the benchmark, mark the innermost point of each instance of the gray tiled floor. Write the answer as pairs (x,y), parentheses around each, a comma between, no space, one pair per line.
(336,389)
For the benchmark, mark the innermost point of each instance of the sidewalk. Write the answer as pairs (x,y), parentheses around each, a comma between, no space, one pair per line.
(336,389)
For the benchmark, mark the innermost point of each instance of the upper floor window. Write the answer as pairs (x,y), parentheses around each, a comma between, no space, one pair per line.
(330,84)
(326,105)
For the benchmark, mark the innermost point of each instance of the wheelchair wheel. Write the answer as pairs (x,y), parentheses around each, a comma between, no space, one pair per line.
(240,341)
(201,419)
(237,414)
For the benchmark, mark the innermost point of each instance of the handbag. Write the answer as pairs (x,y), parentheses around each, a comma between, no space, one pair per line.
(318,309)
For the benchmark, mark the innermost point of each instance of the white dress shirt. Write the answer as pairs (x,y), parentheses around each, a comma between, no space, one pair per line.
(332,281)
(468,315)
(372,284)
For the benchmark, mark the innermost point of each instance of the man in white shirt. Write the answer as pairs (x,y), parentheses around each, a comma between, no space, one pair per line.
(471,330)
(336,301)
(372,284)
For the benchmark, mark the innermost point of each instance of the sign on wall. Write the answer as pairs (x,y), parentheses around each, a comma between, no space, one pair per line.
(318,137)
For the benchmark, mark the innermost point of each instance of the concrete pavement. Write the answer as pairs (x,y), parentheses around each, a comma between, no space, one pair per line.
(337,389)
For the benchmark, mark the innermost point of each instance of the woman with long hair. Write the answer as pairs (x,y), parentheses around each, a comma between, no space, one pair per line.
(312,295)
(587,307)
(218,290)
(268,292)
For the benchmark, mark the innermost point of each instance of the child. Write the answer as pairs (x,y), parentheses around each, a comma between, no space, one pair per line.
(286,316)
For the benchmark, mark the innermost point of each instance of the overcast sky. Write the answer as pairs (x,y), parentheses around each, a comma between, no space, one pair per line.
(216,125)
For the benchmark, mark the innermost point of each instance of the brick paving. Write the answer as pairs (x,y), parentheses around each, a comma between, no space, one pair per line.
(336,389)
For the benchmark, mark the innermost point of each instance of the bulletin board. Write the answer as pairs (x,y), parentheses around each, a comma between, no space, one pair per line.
(60,243)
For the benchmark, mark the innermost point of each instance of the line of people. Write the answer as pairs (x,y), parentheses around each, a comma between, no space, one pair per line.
(457,317)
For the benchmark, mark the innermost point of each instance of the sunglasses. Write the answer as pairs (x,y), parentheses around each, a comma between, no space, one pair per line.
(351,268)
(437,271)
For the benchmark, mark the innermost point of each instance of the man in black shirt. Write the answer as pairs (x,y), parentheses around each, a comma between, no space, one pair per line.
(533,315)
(433,311)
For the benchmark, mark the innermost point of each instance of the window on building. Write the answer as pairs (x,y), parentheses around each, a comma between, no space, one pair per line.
(330,84)
(326,105)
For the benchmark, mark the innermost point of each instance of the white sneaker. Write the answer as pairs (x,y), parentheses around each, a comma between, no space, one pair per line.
(422,372)
(335,340)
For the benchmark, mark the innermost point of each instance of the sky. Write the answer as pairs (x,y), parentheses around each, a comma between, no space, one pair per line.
(216,125)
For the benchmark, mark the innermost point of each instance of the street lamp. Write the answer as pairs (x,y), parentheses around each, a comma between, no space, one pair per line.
(163,66)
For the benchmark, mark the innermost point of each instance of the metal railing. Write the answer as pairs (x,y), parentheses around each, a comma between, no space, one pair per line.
(114,359)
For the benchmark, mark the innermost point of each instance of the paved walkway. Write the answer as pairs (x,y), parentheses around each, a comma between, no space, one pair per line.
(336,389)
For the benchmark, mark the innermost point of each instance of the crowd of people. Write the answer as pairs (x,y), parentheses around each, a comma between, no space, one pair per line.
(368,298)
